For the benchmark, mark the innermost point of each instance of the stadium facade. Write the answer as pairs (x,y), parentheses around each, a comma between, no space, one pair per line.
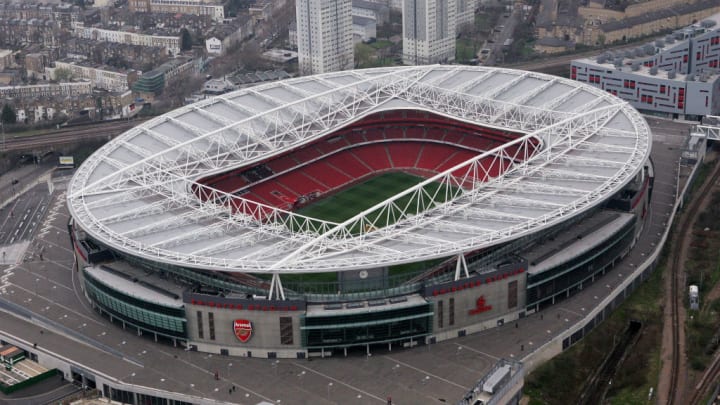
(523,188)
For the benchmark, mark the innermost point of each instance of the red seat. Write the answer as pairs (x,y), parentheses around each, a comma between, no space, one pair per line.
(404,154)
(416,142)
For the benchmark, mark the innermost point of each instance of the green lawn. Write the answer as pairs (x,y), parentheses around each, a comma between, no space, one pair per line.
(380,44)
(347,203)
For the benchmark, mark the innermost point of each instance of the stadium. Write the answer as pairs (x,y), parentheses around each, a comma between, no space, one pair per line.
(359,210)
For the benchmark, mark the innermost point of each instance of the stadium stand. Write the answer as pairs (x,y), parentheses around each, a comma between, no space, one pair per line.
(349,164)
(412,141)
(374,155)
(404,154)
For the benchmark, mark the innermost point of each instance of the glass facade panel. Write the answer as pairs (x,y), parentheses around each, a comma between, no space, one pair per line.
(564,277)
(356,329)
(512,294)
(441,321)
(211,325)
(201,331)
(286,330)
(114,303)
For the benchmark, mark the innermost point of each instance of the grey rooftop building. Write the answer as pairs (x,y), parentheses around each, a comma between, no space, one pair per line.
(676,76)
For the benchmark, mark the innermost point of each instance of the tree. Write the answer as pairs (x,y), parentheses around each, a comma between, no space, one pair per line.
(364,55)
(63,75)
(185,40)
(8,115)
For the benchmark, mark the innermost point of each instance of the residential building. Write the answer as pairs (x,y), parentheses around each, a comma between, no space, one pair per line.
(250,79)
(292,34)
(213,46)
(218,86)
(194,7)
(153,82)
(280,55)
(261,10)
(429,31)
(364,29)
(101,76)
(171,43)
(64,14)
(675,77)
(46,90)
(115,18)
(465,11)
(178,67)
(150,83)
(35,64)
(127,56)
(17,33)
(47,107)
(231,33)
(364,8)
(6,58)
(325,36)
(598,23)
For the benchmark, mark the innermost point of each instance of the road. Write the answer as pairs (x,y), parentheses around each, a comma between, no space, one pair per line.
(508,25)
(19,219)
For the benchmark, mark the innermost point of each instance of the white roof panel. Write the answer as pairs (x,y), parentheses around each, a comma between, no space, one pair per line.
(139,193)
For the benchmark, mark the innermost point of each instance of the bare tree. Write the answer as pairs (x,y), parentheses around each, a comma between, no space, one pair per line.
(183,86)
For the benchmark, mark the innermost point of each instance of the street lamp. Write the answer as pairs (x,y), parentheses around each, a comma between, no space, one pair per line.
(330,384)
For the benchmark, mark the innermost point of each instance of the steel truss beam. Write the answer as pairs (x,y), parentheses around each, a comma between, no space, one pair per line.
(563,163)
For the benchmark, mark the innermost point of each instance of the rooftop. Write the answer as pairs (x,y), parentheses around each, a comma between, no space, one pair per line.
(360,20)
(143,285)
(659,15)
(582,237)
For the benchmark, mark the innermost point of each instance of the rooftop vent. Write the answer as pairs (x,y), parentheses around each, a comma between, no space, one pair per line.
(635,66)
(649,49)
(639,52)
(653,70)
(660,43)
(671,74)
(618,61)
(669,39)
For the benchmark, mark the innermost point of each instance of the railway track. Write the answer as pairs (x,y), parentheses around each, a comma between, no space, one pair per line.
(20,143)
(707,383)
(677,293)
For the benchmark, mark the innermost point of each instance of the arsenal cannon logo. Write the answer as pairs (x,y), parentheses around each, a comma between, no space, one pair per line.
(243,329)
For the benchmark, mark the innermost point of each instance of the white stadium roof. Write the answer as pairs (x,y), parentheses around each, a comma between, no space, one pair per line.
(135,193)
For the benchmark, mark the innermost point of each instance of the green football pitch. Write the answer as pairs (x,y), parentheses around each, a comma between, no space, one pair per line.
(347,203)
